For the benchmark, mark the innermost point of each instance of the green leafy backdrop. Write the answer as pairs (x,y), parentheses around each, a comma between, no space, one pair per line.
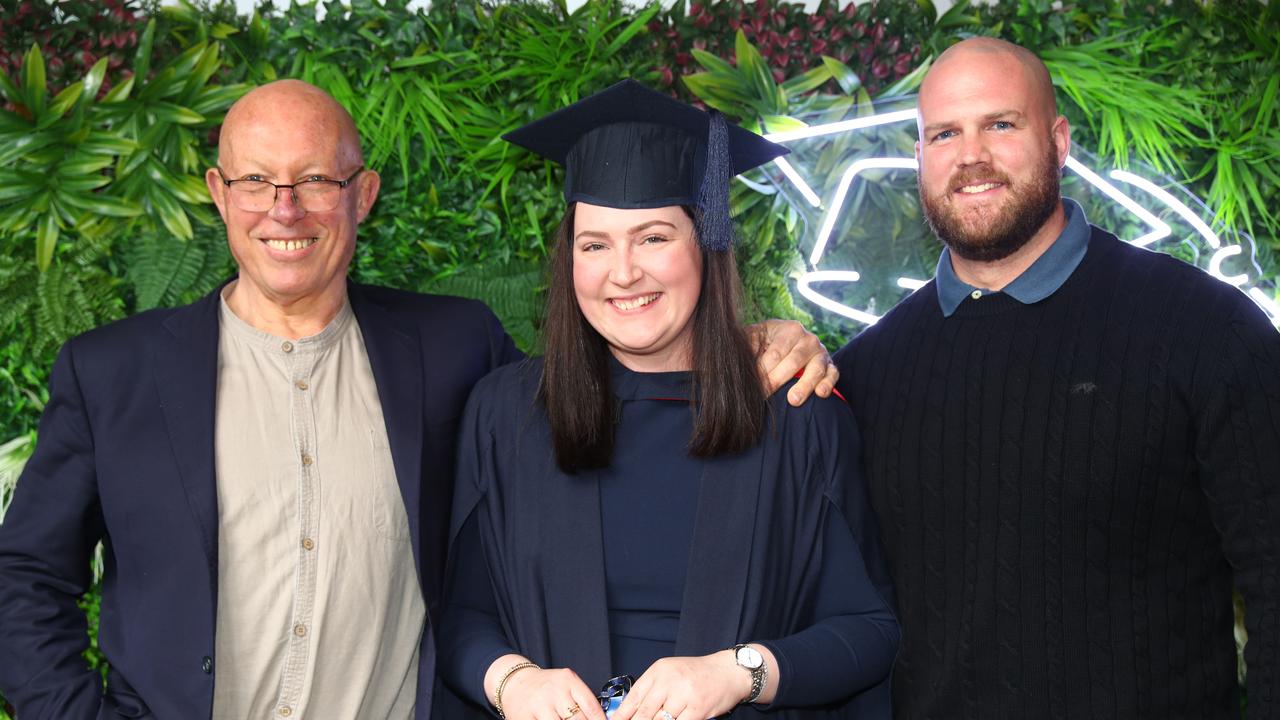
(109,112)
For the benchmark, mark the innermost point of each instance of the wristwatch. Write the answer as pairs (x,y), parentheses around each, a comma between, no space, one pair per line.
(750,658)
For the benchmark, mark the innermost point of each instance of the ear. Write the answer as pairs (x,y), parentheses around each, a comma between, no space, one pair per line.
(367,186)
(217,190)
(1061,133)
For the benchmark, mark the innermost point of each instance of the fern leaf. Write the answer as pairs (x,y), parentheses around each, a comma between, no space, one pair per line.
(513,292)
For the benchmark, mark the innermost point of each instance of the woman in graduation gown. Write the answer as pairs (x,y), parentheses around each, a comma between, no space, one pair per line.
(632,503)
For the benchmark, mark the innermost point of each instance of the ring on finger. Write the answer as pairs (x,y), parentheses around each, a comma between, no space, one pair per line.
(664,715)
(572,710)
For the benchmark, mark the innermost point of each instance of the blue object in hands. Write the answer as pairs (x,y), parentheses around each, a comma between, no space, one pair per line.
(613,692)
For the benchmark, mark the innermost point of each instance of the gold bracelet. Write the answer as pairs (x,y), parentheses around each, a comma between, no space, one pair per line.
(497,694)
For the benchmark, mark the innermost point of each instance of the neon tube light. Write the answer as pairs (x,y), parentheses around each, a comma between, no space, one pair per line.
(842,192)
(830,215)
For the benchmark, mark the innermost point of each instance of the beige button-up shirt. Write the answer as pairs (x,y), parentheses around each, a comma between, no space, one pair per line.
(319,608)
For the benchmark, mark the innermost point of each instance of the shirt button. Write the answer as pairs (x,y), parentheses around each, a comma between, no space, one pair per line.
(285,711)
(975,294)
(306,459)
(300,630)
(302,384)
(287,347)
(206,664)
(308,543)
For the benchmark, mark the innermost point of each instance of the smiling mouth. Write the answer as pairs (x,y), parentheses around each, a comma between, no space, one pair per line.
(979,188)
(634,302)
(291,244)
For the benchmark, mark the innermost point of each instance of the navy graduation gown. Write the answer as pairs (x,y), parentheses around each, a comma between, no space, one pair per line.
(755,565)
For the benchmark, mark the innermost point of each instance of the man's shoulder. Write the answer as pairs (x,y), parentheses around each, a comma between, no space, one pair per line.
(908,310)
(441,321)
(1164,270)
(135,332)
(420,305)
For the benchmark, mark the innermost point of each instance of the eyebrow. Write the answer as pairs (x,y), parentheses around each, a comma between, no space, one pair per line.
(630,231)
(310,171)
(931,128)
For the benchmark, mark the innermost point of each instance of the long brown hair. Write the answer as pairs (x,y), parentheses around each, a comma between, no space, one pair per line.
(728,402)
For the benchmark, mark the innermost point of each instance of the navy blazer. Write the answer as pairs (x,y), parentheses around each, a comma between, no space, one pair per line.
(126,455)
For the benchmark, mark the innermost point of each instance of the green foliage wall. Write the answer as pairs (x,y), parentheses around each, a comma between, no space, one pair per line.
(111,109)
(109,112)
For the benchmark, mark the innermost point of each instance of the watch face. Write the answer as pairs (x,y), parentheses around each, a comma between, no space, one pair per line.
(750,658)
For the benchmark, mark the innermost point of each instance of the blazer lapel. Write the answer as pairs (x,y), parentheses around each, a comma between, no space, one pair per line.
(396,359)
(719,561)
(186,374)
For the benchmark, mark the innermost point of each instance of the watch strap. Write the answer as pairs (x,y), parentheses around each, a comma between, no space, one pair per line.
(759,675)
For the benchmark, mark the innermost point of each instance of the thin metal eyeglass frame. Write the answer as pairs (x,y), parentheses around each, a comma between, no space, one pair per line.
(292,188)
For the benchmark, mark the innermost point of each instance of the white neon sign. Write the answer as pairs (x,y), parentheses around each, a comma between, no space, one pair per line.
(831,214)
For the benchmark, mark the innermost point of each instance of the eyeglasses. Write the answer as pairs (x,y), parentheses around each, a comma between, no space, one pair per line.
(315,195)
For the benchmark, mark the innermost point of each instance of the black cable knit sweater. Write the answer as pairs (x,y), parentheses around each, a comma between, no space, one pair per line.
(1067,491)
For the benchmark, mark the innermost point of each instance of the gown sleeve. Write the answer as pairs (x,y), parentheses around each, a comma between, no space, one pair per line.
(854,640)
(470,634)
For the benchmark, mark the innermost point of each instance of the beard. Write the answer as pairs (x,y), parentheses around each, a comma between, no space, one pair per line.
(994,233)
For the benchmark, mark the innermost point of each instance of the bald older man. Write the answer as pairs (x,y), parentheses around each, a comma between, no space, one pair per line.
(269,469)
(1073,444)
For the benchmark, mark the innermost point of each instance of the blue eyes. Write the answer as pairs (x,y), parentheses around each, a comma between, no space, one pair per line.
(997,125)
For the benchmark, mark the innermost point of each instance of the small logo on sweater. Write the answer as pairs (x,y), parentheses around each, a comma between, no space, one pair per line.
(1083,388)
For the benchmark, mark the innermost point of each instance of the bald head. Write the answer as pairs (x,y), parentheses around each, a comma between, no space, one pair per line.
(293,243)
(289,108)
(991,151)
(986,51)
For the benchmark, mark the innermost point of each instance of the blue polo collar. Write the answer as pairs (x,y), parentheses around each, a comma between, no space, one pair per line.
(1037,282)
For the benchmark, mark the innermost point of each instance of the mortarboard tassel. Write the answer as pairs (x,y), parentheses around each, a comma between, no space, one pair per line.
(715,227)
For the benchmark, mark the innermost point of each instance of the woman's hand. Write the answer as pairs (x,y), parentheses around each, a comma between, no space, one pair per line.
(538,694)
(687,688)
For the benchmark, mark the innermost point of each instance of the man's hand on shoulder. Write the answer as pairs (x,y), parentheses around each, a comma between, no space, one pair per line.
(786,348)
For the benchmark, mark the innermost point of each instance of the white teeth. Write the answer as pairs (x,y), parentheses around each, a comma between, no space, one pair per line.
(971,189)
(634,303)
(288,245)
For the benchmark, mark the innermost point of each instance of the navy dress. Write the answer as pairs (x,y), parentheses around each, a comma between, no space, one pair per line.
(638,558)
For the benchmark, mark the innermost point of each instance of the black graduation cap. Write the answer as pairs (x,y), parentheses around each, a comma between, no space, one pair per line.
(631,147)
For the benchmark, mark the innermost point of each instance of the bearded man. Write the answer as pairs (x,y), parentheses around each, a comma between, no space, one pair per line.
(1073,444)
